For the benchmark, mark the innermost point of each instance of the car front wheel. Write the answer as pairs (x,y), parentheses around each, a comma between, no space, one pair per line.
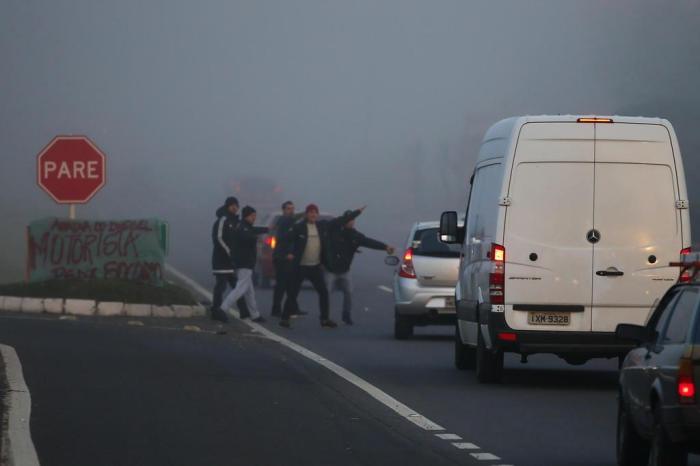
(632,449)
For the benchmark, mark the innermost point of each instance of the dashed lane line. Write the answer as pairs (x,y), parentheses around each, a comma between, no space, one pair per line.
(19,444)
(379,395)
(448,436)
(465,446)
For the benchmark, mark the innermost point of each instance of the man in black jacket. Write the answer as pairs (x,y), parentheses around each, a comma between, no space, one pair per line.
(223,239)
(307,246)
(244,258)
(342,244)
(283,267)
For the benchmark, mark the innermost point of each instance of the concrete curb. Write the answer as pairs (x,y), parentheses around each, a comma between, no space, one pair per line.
(138,310)
(12,304)
(53,305)
(110,309)
(32,305)
(83,307)
(163,311)
(80,307)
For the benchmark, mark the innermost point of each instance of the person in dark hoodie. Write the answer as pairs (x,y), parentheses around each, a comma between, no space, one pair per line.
(307,246)
(283,268)
(223,238)
(244,259)
(342,244)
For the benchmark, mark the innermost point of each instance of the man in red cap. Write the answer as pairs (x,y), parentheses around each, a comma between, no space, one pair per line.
(307,246)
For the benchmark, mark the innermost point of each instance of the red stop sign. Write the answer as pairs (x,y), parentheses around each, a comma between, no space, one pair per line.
(71,169)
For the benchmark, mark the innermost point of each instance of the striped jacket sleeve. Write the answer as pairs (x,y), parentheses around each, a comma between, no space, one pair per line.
(220,235)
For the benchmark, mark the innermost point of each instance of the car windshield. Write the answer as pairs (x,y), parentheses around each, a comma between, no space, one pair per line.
(427,243)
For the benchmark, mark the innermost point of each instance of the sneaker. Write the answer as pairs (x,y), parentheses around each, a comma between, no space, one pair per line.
(328,323)
(285,323)
(299,313)
(220,315)
(260,320)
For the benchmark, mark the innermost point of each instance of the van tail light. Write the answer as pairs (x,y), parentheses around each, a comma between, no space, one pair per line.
(685,275)
(407,270)
(271,241)
(497,282)
(686,383)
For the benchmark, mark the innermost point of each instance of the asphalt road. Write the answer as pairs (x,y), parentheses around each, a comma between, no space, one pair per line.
(545,412)
(108,393)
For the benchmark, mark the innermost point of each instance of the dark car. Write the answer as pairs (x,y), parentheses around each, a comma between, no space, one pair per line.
(658,410)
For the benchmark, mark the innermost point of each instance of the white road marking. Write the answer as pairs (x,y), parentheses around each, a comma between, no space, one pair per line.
(465,446)
(379,395)
(485,456)
(448,436)
(387,400)
(20,447)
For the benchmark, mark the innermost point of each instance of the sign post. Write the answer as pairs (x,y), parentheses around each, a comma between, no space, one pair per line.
(71,169)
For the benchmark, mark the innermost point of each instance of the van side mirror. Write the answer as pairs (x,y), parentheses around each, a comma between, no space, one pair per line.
(392,261)
(449,231)
(639,334)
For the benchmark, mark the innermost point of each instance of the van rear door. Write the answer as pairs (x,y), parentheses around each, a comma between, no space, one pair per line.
(548,258)
(638,222)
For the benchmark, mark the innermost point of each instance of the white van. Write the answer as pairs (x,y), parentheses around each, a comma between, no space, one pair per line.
(571,224)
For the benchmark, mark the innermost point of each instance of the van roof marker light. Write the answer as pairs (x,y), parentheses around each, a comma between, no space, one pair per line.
(594,120)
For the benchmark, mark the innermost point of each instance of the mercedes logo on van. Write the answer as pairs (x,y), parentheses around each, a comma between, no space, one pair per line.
(593,236)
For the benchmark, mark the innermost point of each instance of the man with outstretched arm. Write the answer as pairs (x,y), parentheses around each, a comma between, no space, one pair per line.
(343,242)
(244,258)
(308,244)
(223,239)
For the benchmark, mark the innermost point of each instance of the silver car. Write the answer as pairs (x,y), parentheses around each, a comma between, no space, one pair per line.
(424,281)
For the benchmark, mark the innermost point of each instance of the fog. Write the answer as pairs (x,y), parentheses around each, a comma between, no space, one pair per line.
(342,103)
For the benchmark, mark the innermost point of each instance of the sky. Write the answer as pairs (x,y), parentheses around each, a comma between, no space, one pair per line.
(342,103)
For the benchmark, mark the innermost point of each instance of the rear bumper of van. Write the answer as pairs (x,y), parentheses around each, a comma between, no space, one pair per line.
(565,344)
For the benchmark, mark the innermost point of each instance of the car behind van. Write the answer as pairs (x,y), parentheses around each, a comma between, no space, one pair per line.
(424,281)
(570,226)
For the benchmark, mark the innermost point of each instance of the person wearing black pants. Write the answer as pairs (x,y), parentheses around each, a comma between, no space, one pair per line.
(305,252)
(283,267)
(223,237)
